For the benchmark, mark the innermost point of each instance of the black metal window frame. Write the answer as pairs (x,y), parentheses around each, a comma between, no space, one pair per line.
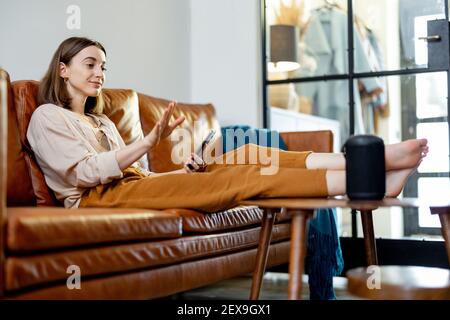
(351,75)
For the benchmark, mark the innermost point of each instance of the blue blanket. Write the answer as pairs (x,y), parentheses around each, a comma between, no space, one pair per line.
(324,256)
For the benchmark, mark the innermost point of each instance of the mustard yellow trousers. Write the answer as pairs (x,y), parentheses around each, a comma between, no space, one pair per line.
(235,177)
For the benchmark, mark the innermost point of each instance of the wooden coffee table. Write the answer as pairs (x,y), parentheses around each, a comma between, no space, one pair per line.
(303,209)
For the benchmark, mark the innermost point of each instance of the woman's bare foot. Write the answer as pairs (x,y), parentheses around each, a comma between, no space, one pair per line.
(396,180)
(405,154)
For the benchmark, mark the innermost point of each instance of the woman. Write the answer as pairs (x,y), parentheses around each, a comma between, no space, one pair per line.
(86,163)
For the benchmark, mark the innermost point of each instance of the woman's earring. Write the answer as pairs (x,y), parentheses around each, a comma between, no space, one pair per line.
(66,79)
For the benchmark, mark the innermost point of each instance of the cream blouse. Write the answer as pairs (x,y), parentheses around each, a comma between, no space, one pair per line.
(69,154)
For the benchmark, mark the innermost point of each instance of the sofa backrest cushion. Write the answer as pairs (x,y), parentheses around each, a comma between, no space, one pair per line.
(168,155)
(122,107)
(19,186)
(25,102)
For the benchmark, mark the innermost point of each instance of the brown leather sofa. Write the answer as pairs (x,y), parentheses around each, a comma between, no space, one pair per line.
(120,253)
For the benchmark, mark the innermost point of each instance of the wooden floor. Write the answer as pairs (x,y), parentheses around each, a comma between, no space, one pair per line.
(274,288)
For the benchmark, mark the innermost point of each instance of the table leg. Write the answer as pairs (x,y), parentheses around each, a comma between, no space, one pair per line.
(262,253)
(298,252)
(445,229)
(369,237)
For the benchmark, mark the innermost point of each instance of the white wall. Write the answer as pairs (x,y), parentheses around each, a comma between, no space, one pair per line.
(188,50)
(147,41)
(226,59)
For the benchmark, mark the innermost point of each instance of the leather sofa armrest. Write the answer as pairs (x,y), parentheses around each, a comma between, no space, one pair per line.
(317,141)
(4,80)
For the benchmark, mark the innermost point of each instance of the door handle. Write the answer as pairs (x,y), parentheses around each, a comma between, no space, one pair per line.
(431,38)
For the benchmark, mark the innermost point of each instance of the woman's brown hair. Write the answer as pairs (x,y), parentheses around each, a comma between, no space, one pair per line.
(52,88)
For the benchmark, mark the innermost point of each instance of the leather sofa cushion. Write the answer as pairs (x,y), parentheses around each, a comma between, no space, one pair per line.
(235,218)
(194,221)
(43,268)
(31,229)
(317,141)
(161,282)
(200,118)
(283,216)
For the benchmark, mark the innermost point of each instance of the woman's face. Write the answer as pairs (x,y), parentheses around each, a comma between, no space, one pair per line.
(85,73)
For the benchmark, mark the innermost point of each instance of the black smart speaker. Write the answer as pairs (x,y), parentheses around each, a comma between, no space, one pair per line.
(365,168)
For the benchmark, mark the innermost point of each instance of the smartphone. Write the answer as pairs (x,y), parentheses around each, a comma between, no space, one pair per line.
(205,142)
(200,149)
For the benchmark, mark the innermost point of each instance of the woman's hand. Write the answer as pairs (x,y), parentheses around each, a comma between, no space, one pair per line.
(194,164)
(163,129)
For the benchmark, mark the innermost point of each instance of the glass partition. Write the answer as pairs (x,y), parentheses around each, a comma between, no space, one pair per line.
(388,33)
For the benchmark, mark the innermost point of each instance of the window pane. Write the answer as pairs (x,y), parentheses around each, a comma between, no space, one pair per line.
(388,32)
(431,93)
(432,189)
(398,103)
(311,106)
(437,135)
(321,44)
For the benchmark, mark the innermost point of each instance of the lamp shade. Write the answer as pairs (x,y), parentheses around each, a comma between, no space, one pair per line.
(283,48)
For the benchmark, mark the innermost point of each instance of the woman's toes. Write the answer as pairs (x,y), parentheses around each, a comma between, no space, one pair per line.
(424,152)
(423,142)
